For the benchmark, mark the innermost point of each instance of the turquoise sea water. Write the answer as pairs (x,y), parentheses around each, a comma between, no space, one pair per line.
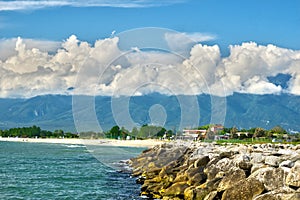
(58,171)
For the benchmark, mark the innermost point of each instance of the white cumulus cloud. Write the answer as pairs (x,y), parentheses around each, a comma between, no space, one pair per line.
(34,67)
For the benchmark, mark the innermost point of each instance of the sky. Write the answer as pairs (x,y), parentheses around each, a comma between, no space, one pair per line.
(92,47)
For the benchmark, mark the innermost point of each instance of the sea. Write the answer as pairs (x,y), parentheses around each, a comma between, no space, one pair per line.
(60,171)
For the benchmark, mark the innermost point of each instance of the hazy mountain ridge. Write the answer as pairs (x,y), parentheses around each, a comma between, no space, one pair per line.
(242,110)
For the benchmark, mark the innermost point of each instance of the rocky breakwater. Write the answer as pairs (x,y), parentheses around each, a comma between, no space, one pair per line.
(192,171)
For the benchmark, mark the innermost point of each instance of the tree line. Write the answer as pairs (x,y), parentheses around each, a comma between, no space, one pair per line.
(146,132)
(277,132)
(36,132)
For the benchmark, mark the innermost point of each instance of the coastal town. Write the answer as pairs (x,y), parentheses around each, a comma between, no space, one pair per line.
(205,133)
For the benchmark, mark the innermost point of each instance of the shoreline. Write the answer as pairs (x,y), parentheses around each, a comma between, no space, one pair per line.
(99,142)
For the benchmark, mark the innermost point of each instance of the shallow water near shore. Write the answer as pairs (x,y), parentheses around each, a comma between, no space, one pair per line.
(59,171)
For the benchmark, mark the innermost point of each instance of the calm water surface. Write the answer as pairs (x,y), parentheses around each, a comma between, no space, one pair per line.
(57,171)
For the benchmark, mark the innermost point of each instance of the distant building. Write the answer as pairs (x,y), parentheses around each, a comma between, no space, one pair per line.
(239,134)
(222,137)
(216,128)
(194,134)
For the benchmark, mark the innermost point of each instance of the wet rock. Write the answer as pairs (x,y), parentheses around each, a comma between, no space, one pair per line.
(189,193)
(176,189)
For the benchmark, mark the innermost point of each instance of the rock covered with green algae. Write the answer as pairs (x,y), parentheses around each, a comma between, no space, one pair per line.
(195,171)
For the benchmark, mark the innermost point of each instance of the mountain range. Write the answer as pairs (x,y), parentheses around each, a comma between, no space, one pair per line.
(53,112)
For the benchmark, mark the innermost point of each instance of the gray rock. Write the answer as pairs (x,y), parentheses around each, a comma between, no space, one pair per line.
(273,161)
(286,152)
(293,177)
(295,157)
(243,161)
(223,165)
(287,163)
(257,158)
(272,178)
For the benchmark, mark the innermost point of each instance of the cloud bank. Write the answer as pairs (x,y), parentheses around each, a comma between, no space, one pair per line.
(14,5)
(35,67)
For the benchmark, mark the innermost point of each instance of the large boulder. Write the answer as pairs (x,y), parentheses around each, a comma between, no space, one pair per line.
(223,165)
(176,189)
(293,178)
(284,193)
(189,193)
(245,189)
(287,163)
(243,161)
(257,158)
(272,178)
(234,176)
(257,166)
(201,161)
(273,161)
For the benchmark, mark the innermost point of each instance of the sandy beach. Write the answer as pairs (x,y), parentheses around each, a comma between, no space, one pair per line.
(104,142)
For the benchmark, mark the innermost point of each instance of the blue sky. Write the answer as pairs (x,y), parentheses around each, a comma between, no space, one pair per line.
(233,21)
(239,45)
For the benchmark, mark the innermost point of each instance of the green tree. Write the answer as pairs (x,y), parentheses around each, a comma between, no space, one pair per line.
(134,132)
(161,132)
(259,132)
(149,131)
(170,133)
(115,132)
(278,130)
(204,127)
(124,132)
(233,133)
